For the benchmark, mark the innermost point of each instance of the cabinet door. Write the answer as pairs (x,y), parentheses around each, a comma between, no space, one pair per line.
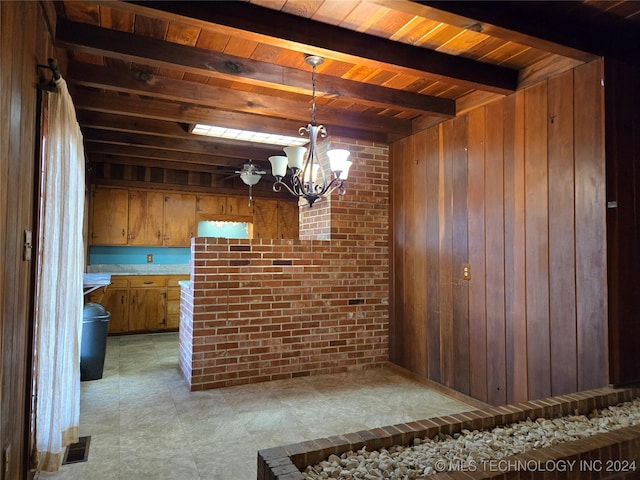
(173,307)
(210,205)
(147,309)
(265,219)
(116,301)
(238,206)
(288,219)
(109,216)
(179,219)
(115,298)
(146,214)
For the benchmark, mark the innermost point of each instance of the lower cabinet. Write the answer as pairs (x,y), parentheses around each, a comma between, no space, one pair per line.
(141,303)
(115,299)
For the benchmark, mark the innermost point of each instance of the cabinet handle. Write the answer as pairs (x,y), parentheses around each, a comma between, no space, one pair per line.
(122,299)
(148,283)
(123,232)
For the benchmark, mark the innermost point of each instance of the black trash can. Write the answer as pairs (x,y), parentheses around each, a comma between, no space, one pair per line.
(93,346)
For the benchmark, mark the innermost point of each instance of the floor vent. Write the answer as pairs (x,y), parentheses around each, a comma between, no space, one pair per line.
(77,452)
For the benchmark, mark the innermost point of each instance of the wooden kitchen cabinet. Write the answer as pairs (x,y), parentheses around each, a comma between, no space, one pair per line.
(147,309)
(173,302)
(179,219)
(123,216)
(210,205)
(115,299)
(288,219)
(275,219)
(214,206)
(146,217)
(141,303)
(110,212)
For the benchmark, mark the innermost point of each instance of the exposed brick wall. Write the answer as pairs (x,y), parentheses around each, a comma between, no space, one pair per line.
(362,212)
(590,457)
(272,309)
(261,310)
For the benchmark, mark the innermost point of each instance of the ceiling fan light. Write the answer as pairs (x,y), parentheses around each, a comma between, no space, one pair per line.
(295,156)
(250,178)
(278,165)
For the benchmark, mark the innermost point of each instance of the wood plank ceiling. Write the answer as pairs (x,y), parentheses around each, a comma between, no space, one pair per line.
(142,73)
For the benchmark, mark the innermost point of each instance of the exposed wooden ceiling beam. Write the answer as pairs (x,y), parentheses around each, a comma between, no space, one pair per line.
(154,162)
(146,84)
(172,165)
(111,102)
(176,144)
(123,123)
(553,28)
(293,32)
(136,48)
(160,154)
(446,13)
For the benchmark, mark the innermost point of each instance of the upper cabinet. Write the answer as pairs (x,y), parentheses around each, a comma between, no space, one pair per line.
(146,213)
(213,206)
(275,219)
(123,216)
(110,213)
(179,219)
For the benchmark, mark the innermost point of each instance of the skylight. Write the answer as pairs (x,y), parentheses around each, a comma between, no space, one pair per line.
(248,135)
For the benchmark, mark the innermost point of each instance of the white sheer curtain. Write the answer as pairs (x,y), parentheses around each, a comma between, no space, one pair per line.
(59,294)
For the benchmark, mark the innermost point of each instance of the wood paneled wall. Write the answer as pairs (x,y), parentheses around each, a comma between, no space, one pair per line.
(515,189)
(25,42)
(623,222)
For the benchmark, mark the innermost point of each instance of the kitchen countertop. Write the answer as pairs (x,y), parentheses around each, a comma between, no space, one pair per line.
(140,269)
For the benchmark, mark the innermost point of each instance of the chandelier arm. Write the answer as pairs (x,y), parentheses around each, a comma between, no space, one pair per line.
(277,187)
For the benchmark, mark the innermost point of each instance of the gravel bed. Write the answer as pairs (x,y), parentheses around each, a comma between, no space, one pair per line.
(468,448)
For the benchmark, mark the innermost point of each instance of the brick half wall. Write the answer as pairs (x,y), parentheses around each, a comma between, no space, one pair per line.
(263,310)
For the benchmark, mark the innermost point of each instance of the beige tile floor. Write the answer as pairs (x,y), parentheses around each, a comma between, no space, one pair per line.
(145,424)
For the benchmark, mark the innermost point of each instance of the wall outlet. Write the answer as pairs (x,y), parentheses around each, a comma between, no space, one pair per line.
(466,271)
(149,257)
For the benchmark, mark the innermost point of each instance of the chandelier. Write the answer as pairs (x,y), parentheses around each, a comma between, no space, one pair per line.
(308,179)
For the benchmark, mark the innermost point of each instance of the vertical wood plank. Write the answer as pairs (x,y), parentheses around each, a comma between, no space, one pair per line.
(477,296)
(494,254)
(432,245)
(396,332)
(562,274)
(514,238)
(590,227)
(622,102)
(420,285)
(458,147)
(415,324)
(537,247)
(20,51)
(446,256)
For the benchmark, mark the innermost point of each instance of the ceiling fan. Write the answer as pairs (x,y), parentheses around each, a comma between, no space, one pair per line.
(250,174)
